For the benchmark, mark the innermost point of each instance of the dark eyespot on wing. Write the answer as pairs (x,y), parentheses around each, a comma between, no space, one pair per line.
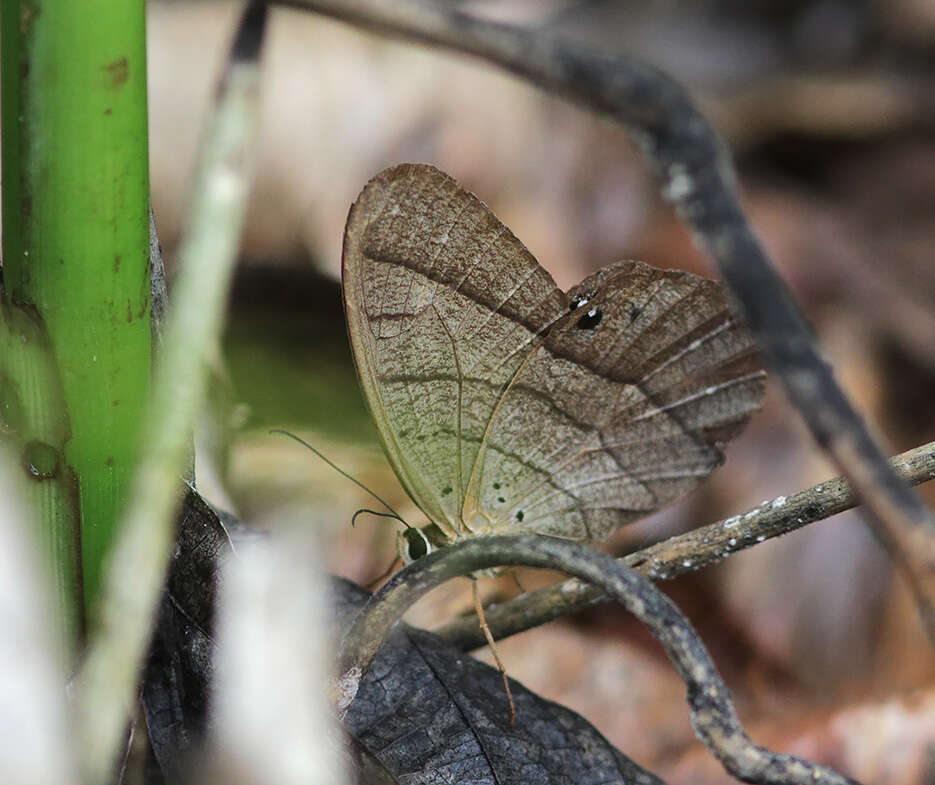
(637,408)
(590,320)
(417,545)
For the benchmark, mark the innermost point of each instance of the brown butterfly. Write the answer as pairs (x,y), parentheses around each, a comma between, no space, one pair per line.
(506,405)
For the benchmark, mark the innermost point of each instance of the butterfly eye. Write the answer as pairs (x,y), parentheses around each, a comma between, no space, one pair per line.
(591,319)
(417,545)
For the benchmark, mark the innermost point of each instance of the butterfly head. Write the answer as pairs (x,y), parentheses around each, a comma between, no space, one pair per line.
(413,543)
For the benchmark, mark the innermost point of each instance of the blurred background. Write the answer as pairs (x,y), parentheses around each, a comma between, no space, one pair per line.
(829,109)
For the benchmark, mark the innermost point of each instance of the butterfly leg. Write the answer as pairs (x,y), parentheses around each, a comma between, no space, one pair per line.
(479,610)
(514,574)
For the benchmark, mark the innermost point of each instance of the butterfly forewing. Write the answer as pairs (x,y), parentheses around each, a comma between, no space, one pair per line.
(443,305)
(620,408)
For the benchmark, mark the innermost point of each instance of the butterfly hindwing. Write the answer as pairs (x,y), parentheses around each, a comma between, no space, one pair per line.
(640,383)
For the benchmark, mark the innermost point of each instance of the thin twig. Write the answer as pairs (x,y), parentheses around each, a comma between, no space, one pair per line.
(713,716)
(136,568)
(693,550)
(698,179)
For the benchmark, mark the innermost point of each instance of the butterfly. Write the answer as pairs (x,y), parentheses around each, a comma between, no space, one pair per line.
(508,406)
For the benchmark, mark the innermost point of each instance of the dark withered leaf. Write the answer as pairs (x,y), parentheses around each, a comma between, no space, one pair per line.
(426,713)
(177,675)
(431,714)
(363,766)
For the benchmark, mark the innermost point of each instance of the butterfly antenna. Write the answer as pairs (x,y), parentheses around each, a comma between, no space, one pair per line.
(379,514)
(392,513)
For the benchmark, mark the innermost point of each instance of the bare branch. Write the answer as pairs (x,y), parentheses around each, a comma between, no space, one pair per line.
(712,713)
(698,179)
(693,550)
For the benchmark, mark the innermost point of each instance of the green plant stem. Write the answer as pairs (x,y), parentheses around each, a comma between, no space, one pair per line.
(207,252)
(76,234)
(36,744)
(33,428)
